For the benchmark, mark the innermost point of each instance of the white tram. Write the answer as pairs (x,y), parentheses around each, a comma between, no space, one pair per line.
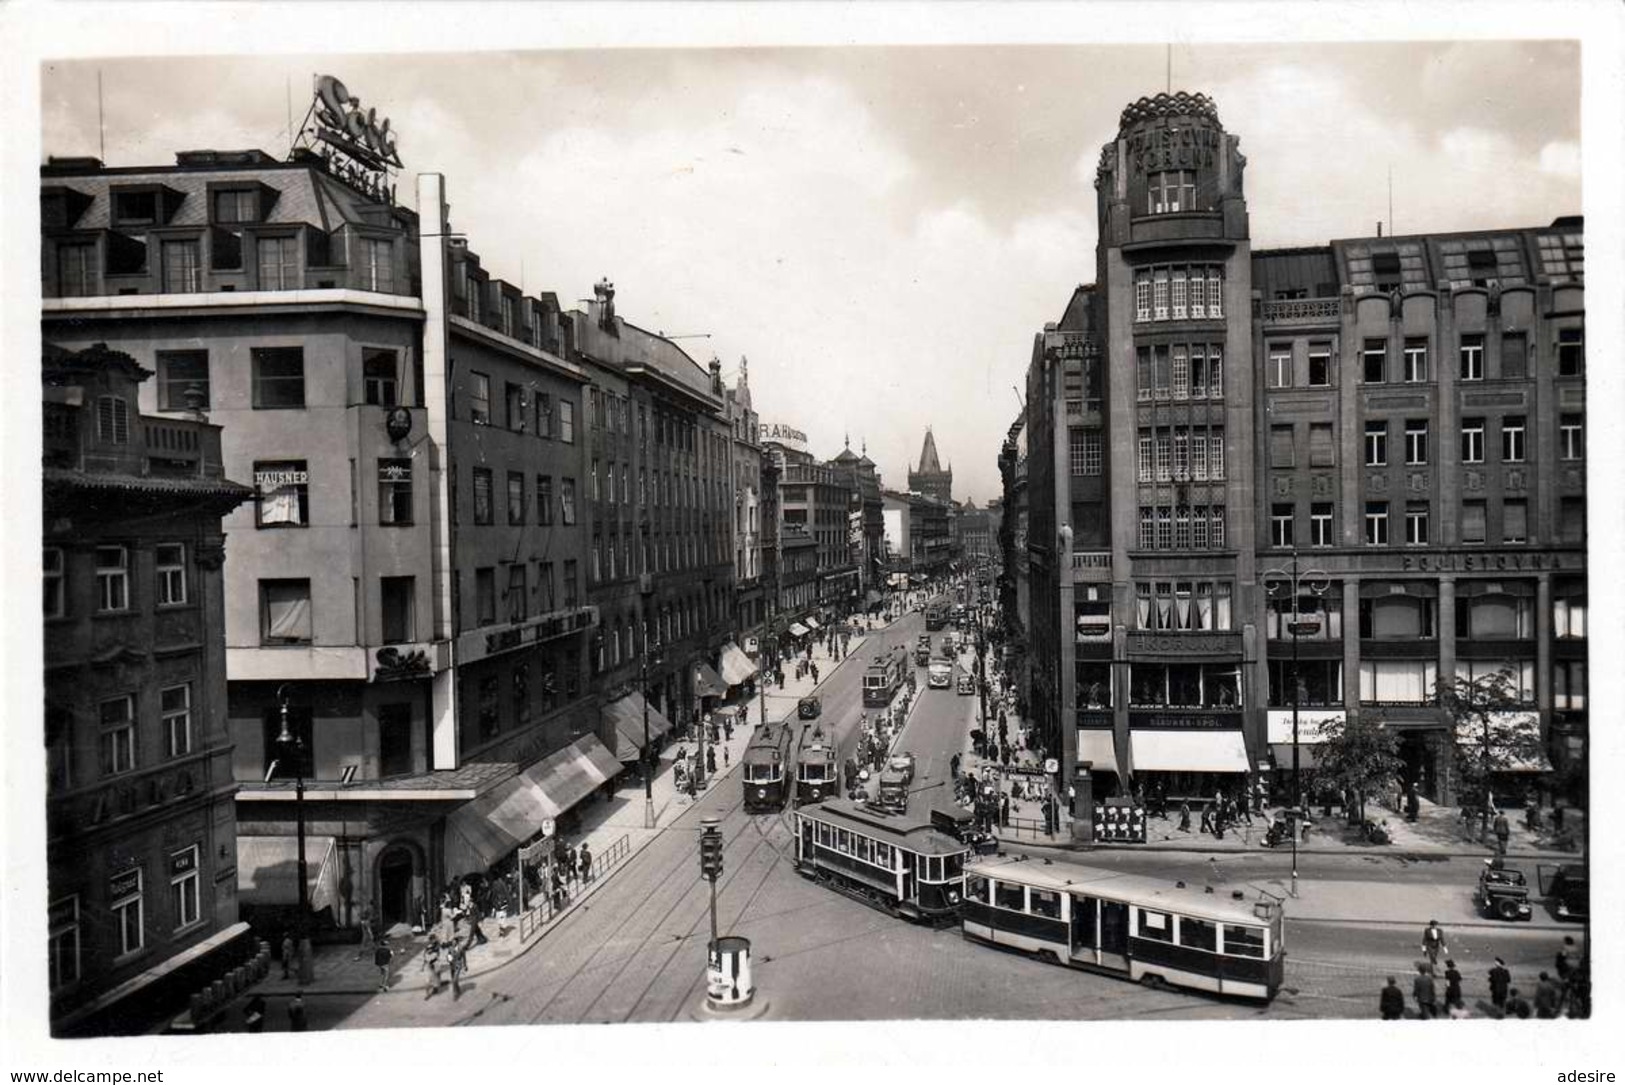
(894,862)
(1147,929)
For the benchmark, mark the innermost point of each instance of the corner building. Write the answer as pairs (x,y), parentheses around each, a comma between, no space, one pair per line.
(1404,415)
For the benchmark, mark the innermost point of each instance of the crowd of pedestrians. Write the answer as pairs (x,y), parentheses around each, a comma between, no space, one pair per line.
(1564,991)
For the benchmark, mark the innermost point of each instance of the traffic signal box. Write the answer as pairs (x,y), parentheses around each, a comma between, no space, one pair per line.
(711,850)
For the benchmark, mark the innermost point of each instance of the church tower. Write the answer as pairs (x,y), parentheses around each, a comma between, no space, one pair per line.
(931,479)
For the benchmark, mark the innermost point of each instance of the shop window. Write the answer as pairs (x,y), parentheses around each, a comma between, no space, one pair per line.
(279,377)
(285,616)
(1319,683)
(282,493)
(1398,617)
(1398,681)
(180,371)
(1495,617)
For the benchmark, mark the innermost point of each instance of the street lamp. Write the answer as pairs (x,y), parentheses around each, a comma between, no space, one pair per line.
(295,745)
(648,751)
(1295,580)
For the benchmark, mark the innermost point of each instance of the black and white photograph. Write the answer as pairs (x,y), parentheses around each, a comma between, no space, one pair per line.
(811,534)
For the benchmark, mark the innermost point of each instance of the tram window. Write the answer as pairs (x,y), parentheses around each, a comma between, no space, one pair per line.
(883,855)
(934,871)
(1045,903)
(1157,926)
(1008,896)
(976,888)
(1198,934)
(954,865)
(868,850)
(843,841)
(1244,941)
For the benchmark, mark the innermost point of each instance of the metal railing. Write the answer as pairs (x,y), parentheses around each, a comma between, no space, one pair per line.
(544,909)
(1019,828)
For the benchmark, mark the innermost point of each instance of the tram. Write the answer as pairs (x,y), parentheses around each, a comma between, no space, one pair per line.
(1147,929)
(899,864)
(883,678)
(936,615)
(817,770)
(767,767)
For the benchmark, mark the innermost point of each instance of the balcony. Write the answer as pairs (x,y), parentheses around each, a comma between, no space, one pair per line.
(1091,566)
(1302,311)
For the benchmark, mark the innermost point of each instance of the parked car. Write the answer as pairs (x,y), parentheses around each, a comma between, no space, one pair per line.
(1567,889)
(1503,892)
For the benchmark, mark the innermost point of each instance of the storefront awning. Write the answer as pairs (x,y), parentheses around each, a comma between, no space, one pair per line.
(812,623)
(482,832)
(268,871)
(627,715)
(1308,754)
(1188,751)
(736,665)
(707,683)
(797,629)
(1515,742)
(1097,745)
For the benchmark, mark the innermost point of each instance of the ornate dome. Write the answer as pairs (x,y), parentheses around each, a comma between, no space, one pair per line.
(1179,104)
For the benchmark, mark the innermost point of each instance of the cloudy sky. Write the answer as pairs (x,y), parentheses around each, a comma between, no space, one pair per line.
(880,230)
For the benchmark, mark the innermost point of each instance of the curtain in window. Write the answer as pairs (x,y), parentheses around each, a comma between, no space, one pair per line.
(1143,609)
(1204,607)
(280,503)
(1182,605)
(287,611)
(1221,616)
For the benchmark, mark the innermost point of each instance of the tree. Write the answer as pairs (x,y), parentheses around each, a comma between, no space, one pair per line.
(1493,731)
(1360,758)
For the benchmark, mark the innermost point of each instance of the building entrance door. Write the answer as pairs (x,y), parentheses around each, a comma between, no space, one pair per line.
(395,870)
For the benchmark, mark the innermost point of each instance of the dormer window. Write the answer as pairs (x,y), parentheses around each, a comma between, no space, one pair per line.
(234,205)
(145,205)
(60,207)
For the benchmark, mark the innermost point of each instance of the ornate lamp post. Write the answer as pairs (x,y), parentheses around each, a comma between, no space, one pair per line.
(295,745)
(1315,581)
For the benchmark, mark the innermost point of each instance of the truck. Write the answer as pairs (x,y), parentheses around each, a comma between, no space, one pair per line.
(922,655)
(940,673)
(893,791)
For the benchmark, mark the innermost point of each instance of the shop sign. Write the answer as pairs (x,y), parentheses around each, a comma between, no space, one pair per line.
(1096,719)
(358,147)
(1186,721)
(182,862)
(393,665)
(1470,562)
(266,481)
(779,434)
(1184,645)
(1166,146)
(124,884)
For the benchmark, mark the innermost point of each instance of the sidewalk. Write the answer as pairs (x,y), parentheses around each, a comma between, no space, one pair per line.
(349,969)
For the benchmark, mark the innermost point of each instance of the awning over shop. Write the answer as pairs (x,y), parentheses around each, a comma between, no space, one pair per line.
(1515,742)
(1308,754)
(268,870)
(1096,745)
(736,665)
(1188,751)
(872,598)
(482,832)
(627,715)
(706,681)
(797,629)
(812,623)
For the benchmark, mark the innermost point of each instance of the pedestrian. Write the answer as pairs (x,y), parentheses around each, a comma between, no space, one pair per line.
(1517,1005)
(1413,803)
(1004,811)
(1433,941)
(1503,832)
(287,954)
(1546,997)
(728,728)
(585,858)
(727,758)
(1245,808)
(1392,1002)
(475,935)
(1500,982)
(814,667)
(431,964)
(1565,959)
(1452,985)
(1531,813)
(711,760)
(1184,815)
(1207,818)
(459,965)
(296,1013)
(254,1014)
(558,891)
(1423,991)
(381,957)
(367,938)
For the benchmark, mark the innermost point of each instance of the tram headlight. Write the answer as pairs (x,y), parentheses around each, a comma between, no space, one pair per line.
(761,793)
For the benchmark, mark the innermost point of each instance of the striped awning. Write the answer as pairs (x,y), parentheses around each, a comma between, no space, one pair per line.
(268,871)
(627,715)
(707,683)
(483,831)
(736,665)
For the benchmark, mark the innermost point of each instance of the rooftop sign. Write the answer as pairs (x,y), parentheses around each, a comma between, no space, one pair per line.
(358,147)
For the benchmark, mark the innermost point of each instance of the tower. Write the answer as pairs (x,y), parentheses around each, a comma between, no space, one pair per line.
(931,479)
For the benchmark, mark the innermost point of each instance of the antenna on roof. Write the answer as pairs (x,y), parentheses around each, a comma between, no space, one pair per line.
(1390,201)
(1170,67)
(101,126)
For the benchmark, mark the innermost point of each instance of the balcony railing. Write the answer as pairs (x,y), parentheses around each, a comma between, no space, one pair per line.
(1301,310)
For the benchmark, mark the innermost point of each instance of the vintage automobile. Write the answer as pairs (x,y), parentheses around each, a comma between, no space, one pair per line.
(809,708)
(965,686)
(1567,890)
(1502,892)
(904,763)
